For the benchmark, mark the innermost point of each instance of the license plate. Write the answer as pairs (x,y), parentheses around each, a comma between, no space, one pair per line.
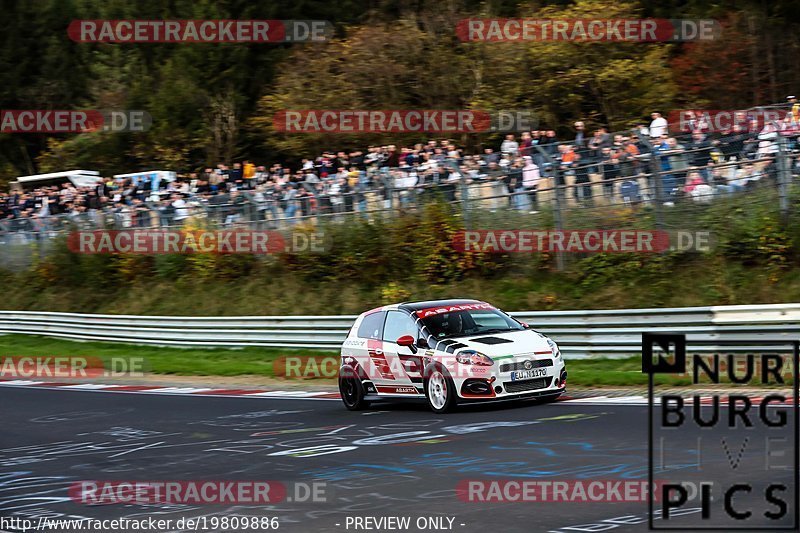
(528,374)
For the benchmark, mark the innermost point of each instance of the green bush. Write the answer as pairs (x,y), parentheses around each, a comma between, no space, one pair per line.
(412,256)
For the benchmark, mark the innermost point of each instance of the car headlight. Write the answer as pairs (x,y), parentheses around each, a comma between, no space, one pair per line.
(554,348)
(471,357)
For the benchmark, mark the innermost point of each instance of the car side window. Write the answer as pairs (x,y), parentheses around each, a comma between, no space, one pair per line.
(397,325)
(371,326)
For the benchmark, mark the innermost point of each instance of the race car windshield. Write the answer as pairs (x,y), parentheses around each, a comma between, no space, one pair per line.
(469,322)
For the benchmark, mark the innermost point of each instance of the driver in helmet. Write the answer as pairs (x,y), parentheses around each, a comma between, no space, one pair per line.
(452,324)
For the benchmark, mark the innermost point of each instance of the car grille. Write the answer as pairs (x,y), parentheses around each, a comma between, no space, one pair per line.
(527,384)
(520,365)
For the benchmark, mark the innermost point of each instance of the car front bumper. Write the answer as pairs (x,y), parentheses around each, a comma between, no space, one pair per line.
(498,384)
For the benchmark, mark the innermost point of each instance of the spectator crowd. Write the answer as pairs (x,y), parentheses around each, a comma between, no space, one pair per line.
(697,164)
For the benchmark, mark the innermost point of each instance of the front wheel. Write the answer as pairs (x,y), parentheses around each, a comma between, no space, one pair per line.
(440,391)
(352,391)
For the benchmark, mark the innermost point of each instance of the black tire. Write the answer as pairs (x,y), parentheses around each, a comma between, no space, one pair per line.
(352,391)
(440,391)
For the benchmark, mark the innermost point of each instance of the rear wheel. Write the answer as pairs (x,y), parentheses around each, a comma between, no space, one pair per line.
(440,391)
(352,391)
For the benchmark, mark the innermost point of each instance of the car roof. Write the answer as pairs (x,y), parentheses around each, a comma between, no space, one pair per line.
(416,306)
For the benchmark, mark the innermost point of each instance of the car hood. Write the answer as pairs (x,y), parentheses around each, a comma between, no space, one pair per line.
(510,343)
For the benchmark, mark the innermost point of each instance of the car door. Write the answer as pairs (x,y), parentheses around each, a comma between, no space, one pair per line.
(368,347)
(402,363)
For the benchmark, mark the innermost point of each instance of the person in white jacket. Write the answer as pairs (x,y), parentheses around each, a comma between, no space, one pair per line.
(658,126)
(181,208)
(767,140)
(509,146)
(530,180)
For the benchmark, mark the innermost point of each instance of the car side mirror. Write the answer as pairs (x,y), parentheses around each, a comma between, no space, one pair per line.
(525,325)
(407,340)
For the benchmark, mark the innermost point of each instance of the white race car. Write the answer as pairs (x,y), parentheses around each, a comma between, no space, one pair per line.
(447,352)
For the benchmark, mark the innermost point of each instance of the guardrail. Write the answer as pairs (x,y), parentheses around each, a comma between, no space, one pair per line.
(580,334)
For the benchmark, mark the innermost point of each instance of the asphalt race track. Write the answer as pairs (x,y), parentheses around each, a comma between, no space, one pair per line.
(390,461)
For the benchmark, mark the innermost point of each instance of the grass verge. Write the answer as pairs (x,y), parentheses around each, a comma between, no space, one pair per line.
(259,362)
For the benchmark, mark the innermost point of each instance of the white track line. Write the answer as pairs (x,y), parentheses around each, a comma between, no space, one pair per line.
(636,400)
(174,391)
(96,386)
(179,390)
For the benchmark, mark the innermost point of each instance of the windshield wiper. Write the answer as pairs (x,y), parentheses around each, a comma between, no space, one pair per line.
(495,330)
(477,333)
